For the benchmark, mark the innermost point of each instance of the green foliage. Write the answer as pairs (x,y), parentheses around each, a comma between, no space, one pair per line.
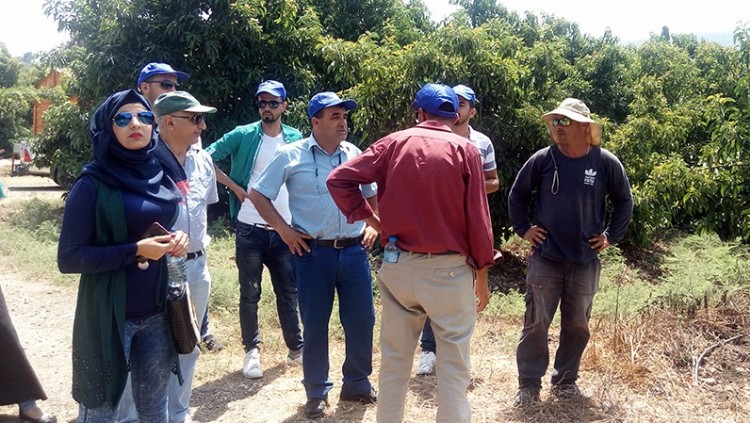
(674,109)
(16,105)
(9,68)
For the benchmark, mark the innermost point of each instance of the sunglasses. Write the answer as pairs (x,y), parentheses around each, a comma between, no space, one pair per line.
(561,122)
(196,119)
(123,119)
(272,104)
(165,84)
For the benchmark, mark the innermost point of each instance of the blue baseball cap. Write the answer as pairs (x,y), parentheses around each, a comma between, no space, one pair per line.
(467,93)
(275,88)
(326,99)
(155,68)
(432,96)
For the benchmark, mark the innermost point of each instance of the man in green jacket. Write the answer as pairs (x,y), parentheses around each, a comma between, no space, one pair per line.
(250,148)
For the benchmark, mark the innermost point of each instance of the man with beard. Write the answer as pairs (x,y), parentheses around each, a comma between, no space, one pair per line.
(250,148)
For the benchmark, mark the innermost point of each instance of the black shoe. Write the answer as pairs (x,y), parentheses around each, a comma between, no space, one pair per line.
(315,407)
(370,397)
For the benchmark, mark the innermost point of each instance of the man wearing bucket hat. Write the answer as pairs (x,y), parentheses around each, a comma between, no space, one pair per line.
(250,148)
(156,79)
(467,101)
(569,184)
(432,199)
(181,121)
(329,254)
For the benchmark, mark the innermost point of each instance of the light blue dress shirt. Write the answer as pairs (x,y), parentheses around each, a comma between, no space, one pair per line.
(304,167)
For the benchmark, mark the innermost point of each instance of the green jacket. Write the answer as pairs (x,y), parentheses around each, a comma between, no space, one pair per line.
(100,368)
(242,144)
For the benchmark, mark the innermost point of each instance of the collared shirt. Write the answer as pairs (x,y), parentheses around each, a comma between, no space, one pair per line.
(192,218)
(304,166)
(421,172)
(486,149)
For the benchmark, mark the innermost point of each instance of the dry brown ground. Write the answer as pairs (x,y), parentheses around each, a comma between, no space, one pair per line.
(639,371)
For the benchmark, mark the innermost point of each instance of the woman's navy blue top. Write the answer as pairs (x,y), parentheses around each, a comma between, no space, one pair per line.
(78,254)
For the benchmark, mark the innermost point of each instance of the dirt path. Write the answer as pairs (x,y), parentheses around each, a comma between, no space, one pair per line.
(43,316)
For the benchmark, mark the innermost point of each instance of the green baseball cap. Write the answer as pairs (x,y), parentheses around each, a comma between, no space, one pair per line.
(179,101)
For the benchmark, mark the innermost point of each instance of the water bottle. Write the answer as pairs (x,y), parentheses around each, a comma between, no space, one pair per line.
(177,276)
(391,251)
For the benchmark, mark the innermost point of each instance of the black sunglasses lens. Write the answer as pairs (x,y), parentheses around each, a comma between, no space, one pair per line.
(272,104)
(168,85)
(198,119)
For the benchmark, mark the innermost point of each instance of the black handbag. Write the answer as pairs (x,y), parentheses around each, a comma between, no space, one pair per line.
(182,320)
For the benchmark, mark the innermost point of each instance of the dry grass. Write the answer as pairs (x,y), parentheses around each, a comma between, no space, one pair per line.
(635,371)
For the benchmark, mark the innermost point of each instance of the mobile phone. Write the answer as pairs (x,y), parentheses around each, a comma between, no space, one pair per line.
(155,229)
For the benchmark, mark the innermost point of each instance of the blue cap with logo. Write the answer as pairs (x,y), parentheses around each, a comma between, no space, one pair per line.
(466,93)
(275,88)
(326,99)
(155,68)
(433,96)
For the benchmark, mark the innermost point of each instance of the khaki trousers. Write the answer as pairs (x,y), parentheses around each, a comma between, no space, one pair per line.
(418,286)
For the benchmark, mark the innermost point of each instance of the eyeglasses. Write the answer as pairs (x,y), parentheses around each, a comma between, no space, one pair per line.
(272,104)
(561,122)
(196,119)
(165,84)
(123,119)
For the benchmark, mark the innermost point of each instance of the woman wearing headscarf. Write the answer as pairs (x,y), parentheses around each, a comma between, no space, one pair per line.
(120,321)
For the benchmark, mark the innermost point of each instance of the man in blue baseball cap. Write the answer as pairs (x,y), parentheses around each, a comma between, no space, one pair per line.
(329,253)
(156,79)
(250,148)
(433,201)
(467,101)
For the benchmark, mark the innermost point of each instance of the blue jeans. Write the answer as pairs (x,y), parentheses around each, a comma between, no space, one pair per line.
(148,346)
(427,341)
(178,395)
(256,247)
(549,284)
(320,274)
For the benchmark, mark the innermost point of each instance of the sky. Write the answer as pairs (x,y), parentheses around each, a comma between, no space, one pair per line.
(24,28)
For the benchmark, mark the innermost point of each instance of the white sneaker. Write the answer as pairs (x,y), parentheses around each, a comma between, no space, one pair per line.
(294,358)
(426,364)
(251,369)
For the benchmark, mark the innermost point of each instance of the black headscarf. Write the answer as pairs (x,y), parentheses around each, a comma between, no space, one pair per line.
(133,170)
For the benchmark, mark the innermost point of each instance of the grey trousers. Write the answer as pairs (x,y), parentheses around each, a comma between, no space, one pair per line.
(548,284)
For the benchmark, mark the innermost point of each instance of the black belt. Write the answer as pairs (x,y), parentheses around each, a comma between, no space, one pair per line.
(195,255)
(337,243)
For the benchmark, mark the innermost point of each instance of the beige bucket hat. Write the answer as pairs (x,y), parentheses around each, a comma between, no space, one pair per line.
(576,110)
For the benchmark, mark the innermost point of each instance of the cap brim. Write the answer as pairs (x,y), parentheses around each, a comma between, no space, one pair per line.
(181,76)
(201,109)
(348,104)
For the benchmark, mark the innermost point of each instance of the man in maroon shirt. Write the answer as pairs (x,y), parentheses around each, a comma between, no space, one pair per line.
(431,197)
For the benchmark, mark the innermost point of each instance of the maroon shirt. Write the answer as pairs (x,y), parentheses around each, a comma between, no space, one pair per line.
(430,192)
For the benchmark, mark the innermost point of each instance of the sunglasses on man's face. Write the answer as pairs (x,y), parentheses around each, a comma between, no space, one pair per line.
(196,119)
(561,122)
(123,119)
(272,104)
(165,84)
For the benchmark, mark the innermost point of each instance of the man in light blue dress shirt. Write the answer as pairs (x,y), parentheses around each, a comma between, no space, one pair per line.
(330,255)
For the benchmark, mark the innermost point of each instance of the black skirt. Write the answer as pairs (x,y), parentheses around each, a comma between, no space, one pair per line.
(18,382)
